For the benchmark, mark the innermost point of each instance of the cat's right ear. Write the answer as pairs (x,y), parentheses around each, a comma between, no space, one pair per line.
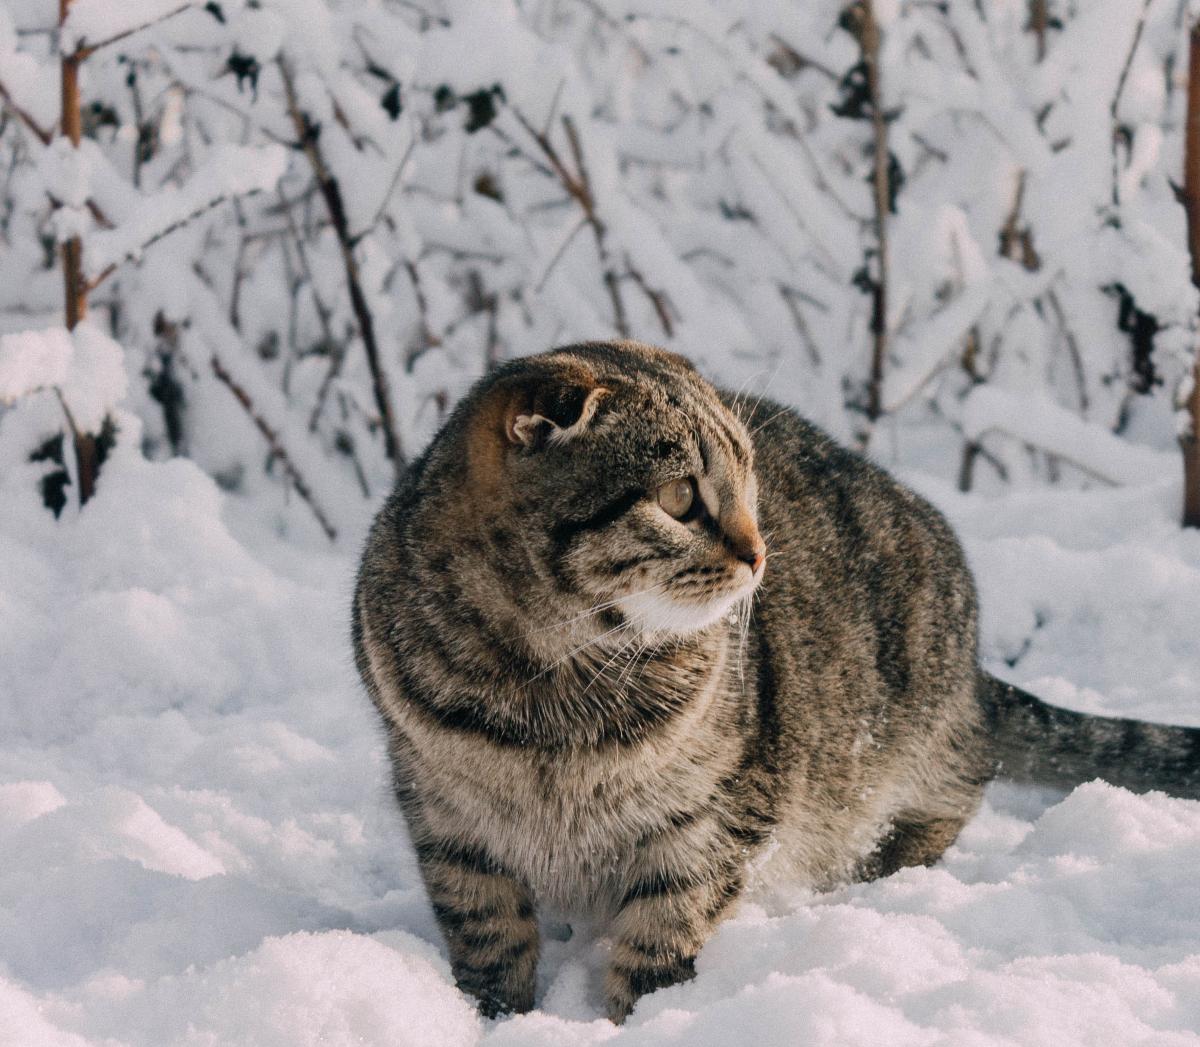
(556,416)
(532,412)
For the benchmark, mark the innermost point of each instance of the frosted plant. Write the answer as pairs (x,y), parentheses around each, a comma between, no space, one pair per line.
(443,185)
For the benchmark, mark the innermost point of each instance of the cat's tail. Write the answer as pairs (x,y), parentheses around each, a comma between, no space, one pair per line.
(1043,744)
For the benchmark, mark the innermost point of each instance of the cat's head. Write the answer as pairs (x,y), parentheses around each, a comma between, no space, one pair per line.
(628,485)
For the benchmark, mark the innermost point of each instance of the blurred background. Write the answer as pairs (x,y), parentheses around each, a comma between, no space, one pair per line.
(950,233)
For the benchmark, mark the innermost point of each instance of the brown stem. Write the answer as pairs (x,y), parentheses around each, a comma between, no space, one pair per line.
(111,268)
(869,42)
(972,450)
(1039,22)
(337,349)
(40,133)
(332,194)
(278,451)
(1116,102)
(86,50)
(599,230)
(579,188)
(1016,241)
(1073,353)
(1190,442)
(75,286)
(657,299)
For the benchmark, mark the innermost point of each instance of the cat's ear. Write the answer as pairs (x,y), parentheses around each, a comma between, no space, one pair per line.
(533,410)
(551,413)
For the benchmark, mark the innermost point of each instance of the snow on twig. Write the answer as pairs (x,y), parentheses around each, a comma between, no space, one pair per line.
(231,171)
(1035,419)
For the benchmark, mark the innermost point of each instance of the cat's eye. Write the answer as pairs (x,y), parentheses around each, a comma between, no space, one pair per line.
(676,498)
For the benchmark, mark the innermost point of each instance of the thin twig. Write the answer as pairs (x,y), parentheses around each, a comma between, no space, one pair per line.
(1189,441)
(390,190)
(1039,22)
(332,194)
(86,50)
(789,297)
(179,223)
(578,186)
(588,202)
(278,451)
(1073,352)
(657,299)
(42,134)
(869,39)
(1116,101)
(337,348)
(562,250)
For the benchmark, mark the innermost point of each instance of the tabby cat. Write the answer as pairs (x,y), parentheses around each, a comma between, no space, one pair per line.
(625,633)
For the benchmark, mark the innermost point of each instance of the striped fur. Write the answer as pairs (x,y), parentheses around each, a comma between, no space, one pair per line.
(595,706)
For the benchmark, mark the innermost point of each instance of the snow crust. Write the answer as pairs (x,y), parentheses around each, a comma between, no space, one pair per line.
(200,847)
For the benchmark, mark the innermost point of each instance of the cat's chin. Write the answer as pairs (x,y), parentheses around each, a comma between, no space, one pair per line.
(658,615)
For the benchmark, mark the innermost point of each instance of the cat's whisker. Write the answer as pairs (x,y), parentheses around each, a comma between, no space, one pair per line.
(599,608)
(629,666)
(763,425)
(762,395)
(737,400)
(571,654)
(600,672)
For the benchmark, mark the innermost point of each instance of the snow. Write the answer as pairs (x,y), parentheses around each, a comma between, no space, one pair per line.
(1039,421)
(92,22)
(201,848)
(229,171)
(85,366)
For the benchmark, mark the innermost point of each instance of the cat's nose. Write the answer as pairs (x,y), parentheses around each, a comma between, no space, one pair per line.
(753,557)
(756,557)
(744,541)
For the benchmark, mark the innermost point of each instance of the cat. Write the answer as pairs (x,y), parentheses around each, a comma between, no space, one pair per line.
(629,635)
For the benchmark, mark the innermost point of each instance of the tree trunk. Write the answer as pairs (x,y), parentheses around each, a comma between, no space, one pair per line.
(1190,442)
(74,283)
(868,38)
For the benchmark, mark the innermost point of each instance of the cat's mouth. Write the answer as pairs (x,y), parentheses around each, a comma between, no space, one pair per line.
(658,611)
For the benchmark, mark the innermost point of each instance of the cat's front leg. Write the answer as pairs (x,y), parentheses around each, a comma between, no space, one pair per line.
(664,918)
(487,917)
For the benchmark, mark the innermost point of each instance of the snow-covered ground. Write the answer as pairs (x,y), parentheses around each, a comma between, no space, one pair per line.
(197,844)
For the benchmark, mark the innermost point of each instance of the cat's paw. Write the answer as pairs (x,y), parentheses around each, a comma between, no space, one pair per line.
(625,984)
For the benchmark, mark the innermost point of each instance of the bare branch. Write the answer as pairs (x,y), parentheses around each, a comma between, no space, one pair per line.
(332,195)
(562,250)
(278,451)
(1039,22)
(657,299)
(1190,441)
(324,315)
(1116,102)
(133,253)
(579,187)
(1073,352)
(1083,467)
(42,134)
(390,190)
(86,50)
